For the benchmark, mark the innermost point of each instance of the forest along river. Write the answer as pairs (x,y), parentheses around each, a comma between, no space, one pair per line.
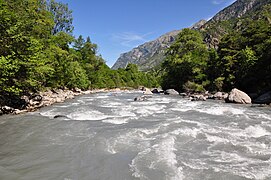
(108,136)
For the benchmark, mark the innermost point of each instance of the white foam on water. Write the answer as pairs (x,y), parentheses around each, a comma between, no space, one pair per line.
(87,115)
(143,103)
(163,100)
(150,110)
(256,131)
(216,139)
(112,104)
(241,166)
(166,158)
(101,97)
(75,104)
(265,116)
(222,110)
(186,132)
(160,157)
(124,112)
(144,112)
(134,139)
(149,131)
(116,121)
(184,106)
(51,113)
(134,166)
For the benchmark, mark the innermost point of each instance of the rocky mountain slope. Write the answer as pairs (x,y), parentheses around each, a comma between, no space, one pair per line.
(227,19)
(148,54)
(152,53)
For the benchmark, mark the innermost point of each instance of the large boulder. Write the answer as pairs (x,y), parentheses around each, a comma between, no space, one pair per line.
(171,92)
(263,99)
(239,97)
(218,96)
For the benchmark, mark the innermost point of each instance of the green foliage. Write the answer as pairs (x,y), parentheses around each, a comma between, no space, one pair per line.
(186,60)
(36,53)
(242,60)
(245,55)
(193,87)
(62,17)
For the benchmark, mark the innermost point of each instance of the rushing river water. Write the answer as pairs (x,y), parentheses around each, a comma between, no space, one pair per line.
(108,136)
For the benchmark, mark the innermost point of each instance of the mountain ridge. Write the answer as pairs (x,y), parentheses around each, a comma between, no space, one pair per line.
(151,54)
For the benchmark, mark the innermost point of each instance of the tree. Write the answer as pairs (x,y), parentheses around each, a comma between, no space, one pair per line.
(24,33)
(62,17)
(186,60)
(79,43)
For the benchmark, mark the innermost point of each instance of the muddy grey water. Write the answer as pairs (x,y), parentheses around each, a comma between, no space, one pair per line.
(108,136)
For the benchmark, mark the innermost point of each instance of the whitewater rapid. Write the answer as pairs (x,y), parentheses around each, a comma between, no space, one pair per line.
(108,136)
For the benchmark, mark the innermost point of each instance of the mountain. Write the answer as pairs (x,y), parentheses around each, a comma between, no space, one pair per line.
(148,54)
(152,53)
(229,18)
(239,9)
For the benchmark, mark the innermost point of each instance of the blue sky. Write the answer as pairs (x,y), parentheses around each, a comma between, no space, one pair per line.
(117,26)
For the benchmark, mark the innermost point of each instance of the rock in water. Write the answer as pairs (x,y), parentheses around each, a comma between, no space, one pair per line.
(171,92)
(140,98)
(239,97)
(198,98)
(147,91)
(263,99)
(60,116)
(7,110)
(157,91)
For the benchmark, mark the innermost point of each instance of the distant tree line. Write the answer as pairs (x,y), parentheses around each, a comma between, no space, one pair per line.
(242,60)
(38,51)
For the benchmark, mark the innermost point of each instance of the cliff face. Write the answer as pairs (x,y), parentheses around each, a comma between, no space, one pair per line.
(147,55)
(152,53)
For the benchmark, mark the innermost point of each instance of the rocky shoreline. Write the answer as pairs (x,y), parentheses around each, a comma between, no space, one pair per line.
(235,96)
(38,100)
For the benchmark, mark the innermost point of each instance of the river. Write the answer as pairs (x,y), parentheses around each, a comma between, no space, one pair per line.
(108,136)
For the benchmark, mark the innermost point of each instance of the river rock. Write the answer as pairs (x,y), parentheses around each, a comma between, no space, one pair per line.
(26,99)
(148,91)
(37,98)
(60,116)
(7,109)
(77,90)
(198,98)
(239,97)
(157,91)
(218,96)
(183,94)
(140,98)
(263,99)
(171,92)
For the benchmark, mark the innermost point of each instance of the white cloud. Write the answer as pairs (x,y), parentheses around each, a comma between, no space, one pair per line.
(218,2)
(130,39)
